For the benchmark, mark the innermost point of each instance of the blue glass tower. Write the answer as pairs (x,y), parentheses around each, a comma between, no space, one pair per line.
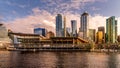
(41,31)
(59,26)
(85,25)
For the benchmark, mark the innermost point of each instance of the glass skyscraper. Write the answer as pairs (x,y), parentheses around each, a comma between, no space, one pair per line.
(59,26)
(85,25)
(103,31)
(111,30)
(40,31)
(74,28)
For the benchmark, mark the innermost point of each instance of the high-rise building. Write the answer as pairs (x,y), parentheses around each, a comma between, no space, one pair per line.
(92,34)
(74,28)
(99,37)
(40,31)
(85,25)
(59,26)
(64,26)
(111,30)
(103,31)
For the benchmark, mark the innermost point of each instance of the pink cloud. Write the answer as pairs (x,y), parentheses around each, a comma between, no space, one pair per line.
(47,20)
(27,24)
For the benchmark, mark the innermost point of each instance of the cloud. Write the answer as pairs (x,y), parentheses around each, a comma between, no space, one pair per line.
(14,12)
(46,18)
(9,3)
(97,21)
(22,6)
(63,6)
(1,18)
(95,8)
(28,23)
(42,18)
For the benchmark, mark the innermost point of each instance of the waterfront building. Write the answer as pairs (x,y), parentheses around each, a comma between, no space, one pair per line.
(68,41)
(92,34)
(111,30)
(50,34)
(74,28)
(40,31)
(103,31)
(25,39)
(59,26)
(99,37)
(22,40)
(85,25)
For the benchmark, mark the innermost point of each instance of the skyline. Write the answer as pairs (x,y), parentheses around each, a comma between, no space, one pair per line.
(32,14)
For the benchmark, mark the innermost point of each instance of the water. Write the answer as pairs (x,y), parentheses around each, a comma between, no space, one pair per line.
(14,59)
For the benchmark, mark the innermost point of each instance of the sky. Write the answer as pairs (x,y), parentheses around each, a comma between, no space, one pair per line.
(25,15)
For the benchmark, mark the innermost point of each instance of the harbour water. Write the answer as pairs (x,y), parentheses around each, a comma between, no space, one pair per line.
(17,59)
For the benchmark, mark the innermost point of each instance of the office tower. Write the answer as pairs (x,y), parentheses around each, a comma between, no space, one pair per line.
(92,34)
(103,31)
(99,37)
(40,31)
(68,32)
(85,25)
(74,28)
(59,26)
(111,30)
(64,26)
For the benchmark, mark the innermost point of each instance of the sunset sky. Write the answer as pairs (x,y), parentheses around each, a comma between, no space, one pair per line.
(25,15)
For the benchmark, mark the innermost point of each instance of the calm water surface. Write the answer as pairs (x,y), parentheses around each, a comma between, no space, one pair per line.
(14,59)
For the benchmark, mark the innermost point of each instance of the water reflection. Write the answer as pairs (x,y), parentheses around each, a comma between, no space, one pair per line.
(112,63)
(58,60)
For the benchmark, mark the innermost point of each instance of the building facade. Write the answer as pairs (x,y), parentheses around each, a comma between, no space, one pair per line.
(103,31)
(50,34)
(74,28)
(68,32)
(99,37)
(64,26)
(59,26)
(23,39)
(40,31)
(111,30)
(92,34)
(85,25)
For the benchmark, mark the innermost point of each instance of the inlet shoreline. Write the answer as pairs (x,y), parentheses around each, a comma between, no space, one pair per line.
(64,50)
